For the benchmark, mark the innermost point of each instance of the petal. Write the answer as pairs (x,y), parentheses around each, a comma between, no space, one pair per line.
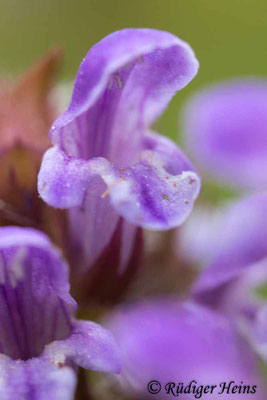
(35,379)
(148,196)
(145,193)
(225,131)
(123,84)
(70,182)
(173,159)
(36,306)
(197,247)
(62,180)
(102,244)
(96,233)
(233,253)
(91,225)
(241,242)
(89,346)
(170,342)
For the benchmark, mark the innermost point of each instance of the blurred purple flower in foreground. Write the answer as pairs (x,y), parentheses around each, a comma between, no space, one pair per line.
(167,341)
(225,128)
(40,341)
(105,165)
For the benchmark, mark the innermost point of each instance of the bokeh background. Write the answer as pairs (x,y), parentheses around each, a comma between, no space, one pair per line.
(228,36)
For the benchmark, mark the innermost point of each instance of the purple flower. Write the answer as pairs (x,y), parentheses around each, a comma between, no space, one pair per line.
(235,277)
(40,341)
(106,166)
(225,128)
(167,341)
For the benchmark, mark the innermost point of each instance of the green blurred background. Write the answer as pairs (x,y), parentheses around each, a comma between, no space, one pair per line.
(228,36)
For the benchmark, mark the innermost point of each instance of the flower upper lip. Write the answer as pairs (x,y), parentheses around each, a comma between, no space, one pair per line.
(169,66)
